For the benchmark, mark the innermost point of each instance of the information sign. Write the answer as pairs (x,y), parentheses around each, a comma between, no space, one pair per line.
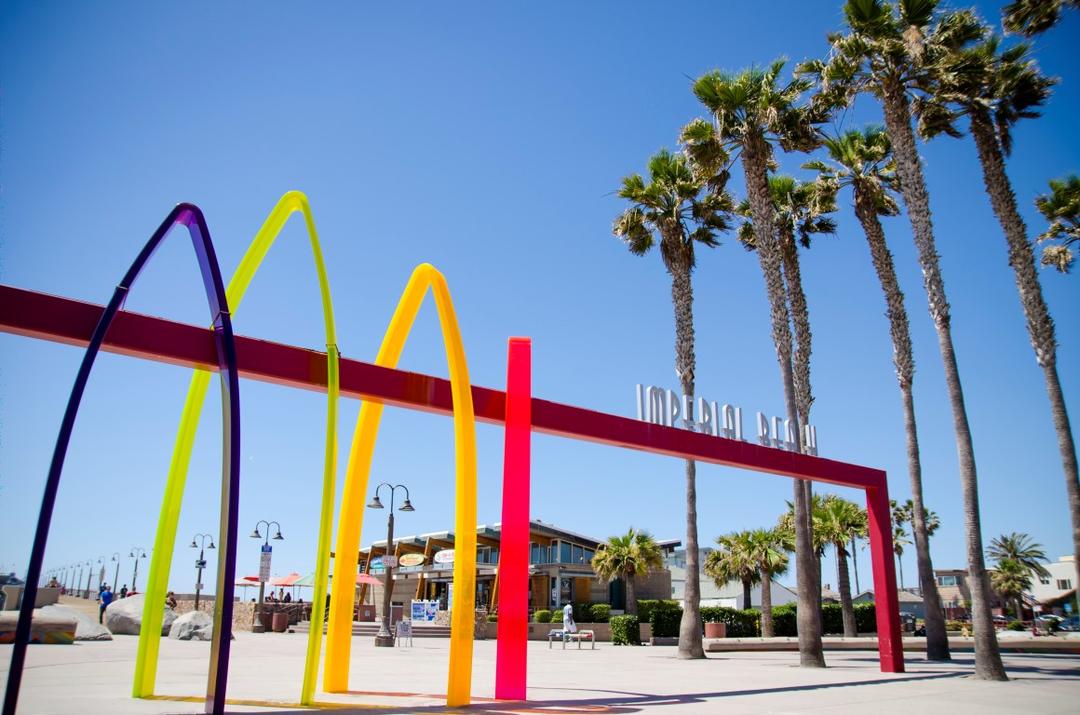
(264,563)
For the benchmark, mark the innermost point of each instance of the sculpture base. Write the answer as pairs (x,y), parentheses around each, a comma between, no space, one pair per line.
(384,641)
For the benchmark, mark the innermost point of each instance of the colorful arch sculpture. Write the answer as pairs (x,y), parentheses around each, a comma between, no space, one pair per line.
(161,561)
(350,522)
(191,217)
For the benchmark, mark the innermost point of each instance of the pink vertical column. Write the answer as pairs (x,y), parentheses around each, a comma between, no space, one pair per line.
(511,653)
(890,645)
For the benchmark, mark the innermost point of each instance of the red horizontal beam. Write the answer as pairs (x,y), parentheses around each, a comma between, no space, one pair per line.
(49,317)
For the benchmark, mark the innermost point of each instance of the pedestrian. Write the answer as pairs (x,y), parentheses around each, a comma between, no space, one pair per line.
(123,591)
(568,624)
(287,599)
(170,600)
(106,599)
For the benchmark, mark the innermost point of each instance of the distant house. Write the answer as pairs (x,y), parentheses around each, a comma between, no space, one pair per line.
(956,596)
(730,595)
(1055,589)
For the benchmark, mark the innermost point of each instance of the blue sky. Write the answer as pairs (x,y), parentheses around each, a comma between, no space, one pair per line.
(487,140)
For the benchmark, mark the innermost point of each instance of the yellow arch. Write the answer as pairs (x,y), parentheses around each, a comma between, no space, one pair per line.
(161,561)
(339,629)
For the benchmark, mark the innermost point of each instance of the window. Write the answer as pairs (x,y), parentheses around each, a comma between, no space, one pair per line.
(1044,580)
(564,552)
(946,581)
(579,554)
(588,556)
(1064,584)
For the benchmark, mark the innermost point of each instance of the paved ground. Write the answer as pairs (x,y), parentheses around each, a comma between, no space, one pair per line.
(96,678)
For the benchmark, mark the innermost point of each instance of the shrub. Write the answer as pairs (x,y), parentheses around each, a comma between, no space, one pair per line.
(542,616)
(625,630)
(600,612)
(954,625)
(583,612)
(784,621)
(665,617)
(865,618)
(1015,626)
(493,618)
(645,608)
(557,616)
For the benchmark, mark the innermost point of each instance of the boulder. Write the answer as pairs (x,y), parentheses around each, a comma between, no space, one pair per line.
(192,626)
(86,627)
(44,628)
(124,616)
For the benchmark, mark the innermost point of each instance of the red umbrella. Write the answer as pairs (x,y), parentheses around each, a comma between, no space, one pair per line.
(285,580)
(368,578)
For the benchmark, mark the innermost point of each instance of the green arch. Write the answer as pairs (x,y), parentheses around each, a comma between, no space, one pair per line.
(165,539)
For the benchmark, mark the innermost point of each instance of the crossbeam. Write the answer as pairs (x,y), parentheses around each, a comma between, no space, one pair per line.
(49,317)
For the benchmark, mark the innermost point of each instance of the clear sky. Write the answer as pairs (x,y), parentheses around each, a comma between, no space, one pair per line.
(487,140)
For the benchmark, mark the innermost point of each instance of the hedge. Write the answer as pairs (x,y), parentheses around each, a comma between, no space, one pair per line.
(645,608)
(557,616)
(740,624)
(625,630)
(665,617)
(543,616)
(493,618)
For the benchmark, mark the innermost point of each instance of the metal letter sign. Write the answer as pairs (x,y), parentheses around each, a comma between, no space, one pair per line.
(264,563)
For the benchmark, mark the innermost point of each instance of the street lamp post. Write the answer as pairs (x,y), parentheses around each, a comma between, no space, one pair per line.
(89,575)
(116,575)
(258,627)
(101,573)
(76,578)
(201,563)
(385,636)
(137,552)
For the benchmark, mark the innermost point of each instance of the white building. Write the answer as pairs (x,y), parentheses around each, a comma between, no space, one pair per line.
(1061,580)
(730,595)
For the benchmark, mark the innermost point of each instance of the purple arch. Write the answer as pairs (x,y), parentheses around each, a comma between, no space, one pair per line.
(191,217)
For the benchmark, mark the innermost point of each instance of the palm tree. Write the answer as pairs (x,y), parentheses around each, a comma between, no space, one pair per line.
(888,52)
(633,554)
(733,561)
(899,540)
(840,521)
(750,112)
(1010,579)
(1062,209)
(672,207)
(1031,17)
(1021,549)
(862,159)
(768,548)
(996,89)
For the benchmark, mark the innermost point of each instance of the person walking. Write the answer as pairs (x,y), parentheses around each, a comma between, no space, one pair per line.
(123,591)
(106,599)
(568,621)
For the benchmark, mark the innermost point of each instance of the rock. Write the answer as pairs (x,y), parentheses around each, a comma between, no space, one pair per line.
(124,616)
(86,628)
(44,628)
(192,626)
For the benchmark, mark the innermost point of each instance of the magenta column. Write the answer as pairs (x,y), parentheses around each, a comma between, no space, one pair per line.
(511,660)
(887,605)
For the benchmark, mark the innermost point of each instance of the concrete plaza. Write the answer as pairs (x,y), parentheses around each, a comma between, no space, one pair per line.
(95,677)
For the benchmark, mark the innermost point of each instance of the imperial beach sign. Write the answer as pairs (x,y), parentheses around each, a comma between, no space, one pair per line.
(666,407)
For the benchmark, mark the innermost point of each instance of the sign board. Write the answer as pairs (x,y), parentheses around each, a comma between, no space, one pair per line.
(450,598)
(264,563)
(199,587)
(411,560)
(1068,607)
(200,563)
(668,408)
(446,556)
(389,561)
(424,611)
(404,629)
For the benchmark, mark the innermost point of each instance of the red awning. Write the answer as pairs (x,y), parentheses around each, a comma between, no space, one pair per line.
(285,580)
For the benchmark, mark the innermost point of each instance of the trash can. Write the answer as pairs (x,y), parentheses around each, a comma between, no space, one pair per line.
(716,630)
(266,619)
(280,622)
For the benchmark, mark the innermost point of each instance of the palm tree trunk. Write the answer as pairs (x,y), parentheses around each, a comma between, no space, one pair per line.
(900,570)
(1039,323)
(847,610)
(631,595)
(800,362)
(746,593)
(937,641)
(766,605)
(682,297)
(755,163)
(855,564)
(988,664)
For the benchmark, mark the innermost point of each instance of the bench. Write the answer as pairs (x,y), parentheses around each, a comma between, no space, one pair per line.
(579,636)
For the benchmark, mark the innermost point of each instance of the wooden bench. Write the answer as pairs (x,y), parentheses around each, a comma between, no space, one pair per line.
(579,636)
